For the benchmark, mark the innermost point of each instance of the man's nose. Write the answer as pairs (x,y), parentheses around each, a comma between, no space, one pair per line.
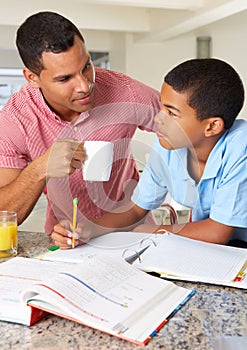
(83,83)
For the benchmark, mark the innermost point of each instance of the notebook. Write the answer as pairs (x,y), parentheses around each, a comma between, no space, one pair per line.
(171,256)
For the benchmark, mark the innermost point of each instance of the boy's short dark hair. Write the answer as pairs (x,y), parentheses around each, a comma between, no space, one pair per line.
(44,32)
(214,88)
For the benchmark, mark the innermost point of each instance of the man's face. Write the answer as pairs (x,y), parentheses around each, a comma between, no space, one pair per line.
(67,81)
(177,122)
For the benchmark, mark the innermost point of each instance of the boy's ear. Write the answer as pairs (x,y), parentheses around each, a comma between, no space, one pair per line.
(32,78)
(214,126)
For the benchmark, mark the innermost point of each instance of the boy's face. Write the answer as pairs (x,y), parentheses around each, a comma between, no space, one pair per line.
(177,122)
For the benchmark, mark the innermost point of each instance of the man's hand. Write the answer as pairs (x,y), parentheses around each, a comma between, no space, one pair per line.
(64,157)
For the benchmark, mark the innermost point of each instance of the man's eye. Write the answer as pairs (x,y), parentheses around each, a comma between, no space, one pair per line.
(64,79)
(87,67)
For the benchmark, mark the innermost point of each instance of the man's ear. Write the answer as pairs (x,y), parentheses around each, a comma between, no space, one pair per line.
(32,78)
(214,126)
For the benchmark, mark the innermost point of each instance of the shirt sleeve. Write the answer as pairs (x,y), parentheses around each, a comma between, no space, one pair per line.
(12,149)
(230,199)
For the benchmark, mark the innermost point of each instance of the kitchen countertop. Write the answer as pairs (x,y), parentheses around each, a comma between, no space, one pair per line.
(213,312)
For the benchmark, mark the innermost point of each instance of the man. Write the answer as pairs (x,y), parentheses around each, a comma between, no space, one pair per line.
(65,102)
(199,157)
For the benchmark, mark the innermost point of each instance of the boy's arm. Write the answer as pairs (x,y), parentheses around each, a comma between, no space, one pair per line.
(206,230)
(124,218)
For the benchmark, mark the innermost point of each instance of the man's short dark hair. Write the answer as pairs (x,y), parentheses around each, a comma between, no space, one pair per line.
(44,32)
(214,88)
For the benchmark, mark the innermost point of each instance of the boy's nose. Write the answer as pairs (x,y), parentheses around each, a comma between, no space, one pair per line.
(160,117)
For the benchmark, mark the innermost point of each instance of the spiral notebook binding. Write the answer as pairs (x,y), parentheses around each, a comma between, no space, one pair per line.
(137,253)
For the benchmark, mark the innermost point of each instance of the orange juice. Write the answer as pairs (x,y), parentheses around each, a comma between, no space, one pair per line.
(8,237)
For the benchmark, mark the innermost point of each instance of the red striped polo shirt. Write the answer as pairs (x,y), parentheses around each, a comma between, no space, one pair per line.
(28,127)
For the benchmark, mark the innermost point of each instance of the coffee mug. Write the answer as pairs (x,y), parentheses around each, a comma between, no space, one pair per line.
(97,166)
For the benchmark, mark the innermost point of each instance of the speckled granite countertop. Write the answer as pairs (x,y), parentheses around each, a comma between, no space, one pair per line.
(211,313)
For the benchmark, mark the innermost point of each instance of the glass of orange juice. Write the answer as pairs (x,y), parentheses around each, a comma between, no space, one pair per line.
(8,233)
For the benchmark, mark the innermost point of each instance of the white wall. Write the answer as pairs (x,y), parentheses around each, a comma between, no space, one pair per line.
(150,62)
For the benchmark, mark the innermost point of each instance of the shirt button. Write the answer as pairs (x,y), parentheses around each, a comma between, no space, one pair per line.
(202,195)
(94,200)
(75,128)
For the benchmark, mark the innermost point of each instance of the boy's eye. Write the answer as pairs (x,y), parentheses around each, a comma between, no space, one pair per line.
(171,114)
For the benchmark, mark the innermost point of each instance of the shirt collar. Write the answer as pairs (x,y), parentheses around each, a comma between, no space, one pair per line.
(213,163)
(215,159)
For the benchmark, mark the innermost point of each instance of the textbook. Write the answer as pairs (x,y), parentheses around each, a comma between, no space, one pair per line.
(171,256)
(16,275)
(104,292)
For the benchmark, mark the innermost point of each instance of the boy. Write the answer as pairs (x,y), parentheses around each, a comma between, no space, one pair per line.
(199,157)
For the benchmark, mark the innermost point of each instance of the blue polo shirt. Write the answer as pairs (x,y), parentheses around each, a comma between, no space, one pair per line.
(221,193)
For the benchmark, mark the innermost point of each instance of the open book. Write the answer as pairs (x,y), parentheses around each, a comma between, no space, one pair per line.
(105,293)
(16,275)
(170,255)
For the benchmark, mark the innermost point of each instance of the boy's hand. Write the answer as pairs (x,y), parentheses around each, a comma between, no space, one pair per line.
(62,235)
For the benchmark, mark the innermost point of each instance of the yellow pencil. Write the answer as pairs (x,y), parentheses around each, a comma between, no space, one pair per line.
(75,202)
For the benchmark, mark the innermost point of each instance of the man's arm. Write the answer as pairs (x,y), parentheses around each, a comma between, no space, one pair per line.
(20,189)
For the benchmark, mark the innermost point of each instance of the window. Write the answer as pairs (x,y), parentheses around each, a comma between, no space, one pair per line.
(10,81)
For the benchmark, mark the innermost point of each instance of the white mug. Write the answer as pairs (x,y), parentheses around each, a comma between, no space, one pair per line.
(97,166)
